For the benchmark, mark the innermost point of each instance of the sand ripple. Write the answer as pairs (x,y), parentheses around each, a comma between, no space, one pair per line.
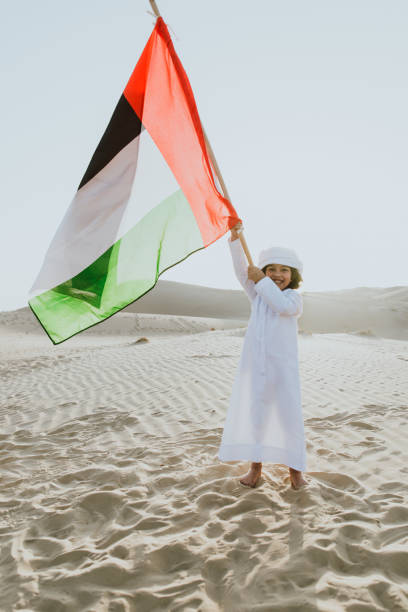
(112,497)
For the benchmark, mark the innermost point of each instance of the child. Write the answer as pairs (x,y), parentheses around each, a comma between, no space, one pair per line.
(264,420)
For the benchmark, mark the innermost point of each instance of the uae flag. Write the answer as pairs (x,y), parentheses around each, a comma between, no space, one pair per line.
(147,201)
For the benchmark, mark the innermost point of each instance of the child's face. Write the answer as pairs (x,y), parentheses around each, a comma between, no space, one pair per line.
(281,275)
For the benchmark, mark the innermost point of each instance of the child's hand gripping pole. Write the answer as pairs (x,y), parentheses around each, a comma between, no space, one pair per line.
(245,247)
(238,232)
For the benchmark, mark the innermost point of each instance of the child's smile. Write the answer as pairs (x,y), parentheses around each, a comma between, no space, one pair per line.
(281,275)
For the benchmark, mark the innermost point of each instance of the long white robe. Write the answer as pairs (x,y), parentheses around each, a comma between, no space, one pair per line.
(264,420)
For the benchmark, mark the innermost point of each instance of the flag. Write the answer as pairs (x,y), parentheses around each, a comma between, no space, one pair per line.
(148,200)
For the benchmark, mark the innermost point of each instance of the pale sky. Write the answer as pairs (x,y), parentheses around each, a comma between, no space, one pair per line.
(305,103)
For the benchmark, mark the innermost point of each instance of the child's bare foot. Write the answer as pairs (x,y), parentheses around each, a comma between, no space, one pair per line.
(252,476)
(296,478)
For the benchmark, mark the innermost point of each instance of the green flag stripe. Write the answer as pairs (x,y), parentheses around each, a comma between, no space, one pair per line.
(126,271)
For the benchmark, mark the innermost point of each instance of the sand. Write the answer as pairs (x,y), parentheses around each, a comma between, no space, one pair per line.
(112,497)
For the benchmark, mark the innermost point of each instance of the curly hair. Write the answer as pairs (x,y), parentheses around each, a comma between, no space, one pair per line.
(295,277)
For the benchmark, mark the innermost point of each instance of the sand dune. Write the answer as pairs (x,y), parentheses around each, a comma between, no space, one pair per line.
(169,297)
(113,498)
(364,310)
(367,310)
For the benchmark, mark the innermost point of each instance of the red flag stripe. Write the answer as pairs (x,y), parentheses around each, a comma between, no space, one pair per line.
(161,96)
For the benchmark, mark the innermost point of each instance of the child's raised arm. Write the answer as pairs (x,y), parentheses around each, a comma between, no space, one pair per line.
(240,263)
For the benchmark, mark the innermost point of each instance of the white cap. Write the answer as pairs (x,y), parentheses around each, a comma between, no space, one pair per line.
(280,255)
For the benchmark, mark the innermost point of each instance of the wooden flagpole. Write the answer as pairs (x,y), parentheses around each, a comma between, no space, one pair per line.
(214,162)
(154,8)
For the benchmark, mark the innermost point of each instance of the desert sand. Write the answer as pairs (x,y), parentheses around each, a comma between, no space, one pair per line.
(112,496)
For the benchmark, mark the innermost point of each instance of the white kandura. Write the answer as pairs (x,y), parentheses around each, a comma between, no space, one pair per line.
(264,419)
